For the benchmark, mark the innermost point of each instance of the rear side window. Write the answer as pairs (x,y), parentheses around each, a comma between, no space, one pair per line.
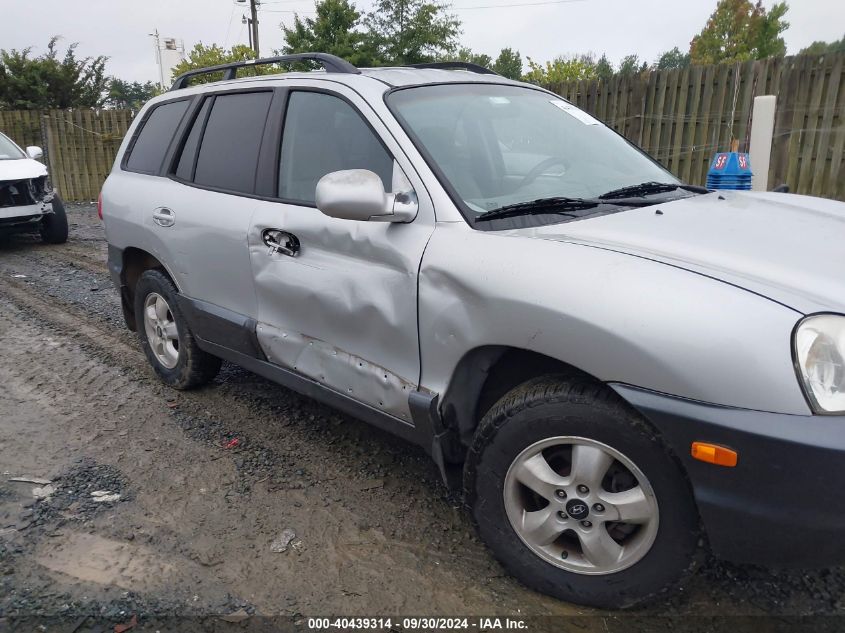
(228,154)
(323,134)
(147,153)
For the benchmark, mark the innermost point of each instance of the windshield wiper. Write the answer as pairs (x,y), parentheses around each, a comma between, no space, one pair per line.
(646,188)
(556,205)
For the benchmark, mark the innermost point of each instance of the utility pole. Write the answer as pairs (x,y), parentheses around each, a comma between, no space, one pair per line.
(157,42)
(252,22)
(253,7)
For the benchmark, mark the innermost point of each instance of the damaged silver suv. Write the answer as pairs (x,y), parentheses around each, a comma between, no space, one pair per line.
(620,370)
(28,202)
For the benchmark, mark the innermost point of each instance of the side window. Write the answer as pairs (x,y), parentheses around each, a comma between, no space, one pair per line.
(323,134)
(147,152)
(228,155)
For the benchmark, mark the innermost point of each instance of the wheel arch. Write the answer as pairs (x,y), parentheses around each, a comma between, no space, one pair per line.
(485,374)
(133,263)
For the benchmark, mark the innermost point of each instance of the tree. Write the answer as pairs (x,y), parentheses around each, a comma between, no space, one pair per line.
(466,55)
(739,30)
(630,66)
(336,29)
(202,56)
(412,31)
(48,81)
(509,64)
(672,59)
(561,69)
(123,94)
(604,69)
(822,48)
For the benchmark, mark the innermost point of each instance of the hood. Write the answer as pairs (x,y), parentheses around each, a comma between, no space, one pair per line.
(788,248)
(21,168)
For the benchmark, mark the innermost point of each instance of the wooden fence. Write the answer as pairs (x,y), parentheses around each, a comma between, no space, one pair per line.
(681,117)
(79,145)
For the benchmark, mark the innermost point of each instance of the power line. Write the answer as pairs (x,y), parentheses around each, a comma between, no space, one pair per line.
(453,8)
(521,4)
(229,28)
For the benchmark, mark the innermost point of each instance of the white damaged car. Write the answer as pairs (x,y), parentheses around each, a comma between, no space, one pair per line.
(28,202)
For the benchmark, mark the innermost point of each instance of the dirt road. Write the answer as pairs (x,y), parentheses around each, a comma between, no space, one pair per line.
(191,533)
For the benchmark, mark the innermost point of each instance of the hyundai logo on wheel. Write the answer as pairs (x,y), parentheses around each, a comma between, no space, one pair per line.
(577,509)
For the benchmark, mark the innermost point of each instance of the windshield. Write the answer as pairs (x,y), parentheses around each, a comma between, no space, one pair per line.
(495,146)
(9,150)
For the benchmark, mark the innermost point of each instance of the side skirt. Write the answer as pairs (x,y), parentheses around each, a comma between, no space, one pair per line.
(313,389)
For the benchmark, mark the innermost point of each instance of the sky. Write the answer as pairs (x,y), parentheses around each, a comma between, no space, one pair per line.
(120,29)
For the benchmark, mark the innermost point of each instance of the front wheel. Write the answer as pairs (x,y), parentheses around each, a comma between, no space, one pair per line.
(54,228)
(576,496)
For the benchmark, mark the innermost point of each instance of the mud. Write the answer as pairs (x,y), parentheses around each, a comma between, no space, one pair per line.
(208,479)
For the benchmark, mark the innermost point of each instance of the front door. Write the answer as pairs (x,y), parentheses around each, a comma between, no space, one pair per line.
(342,310)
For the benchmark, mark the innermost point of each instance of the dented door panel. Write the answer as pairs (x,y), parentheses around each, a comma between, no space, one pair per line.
(342,310)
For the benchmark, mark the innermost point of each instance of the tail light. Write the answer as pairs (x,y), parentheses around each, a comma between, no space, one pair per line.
(100,206)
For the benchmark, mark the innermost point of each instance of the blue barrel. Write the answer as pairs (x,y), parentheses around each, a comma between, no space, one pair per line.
(730,170)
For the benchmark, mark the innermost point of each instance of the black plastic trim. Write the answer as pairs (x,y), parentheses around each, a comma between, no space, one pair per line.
(331,64)
(115,266)
(215,324)
(750,511)
(432,435)
(312,389)
(476,68)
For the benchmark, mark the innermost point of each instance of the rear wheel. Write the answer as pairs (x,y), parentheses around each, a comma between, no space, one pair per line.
(577,497)
(167,341)
(54,228)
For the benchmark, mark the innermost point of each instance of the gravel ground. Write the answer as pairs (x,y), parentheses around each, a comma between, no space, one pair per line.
(208,479)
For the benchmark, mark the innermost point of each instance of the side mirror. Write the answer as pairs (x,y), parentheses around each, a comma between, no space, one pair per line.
(34,152)
(358,194)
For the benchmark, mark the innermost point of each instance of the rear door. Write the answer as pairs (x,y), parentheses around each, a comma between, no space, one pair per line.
(343,309)
(204,208)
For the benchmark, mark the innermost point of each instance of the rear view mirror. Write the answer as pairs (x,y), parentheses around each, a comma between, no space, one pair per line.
(358,194)
(34,152)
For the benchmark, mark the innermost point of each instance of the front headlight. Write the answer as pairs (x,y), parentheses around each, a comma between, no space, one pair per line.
(820,358)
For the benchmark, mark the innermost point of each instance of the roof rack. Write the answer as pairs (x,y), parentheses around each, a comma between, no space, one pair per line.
(475,68)
(331,64)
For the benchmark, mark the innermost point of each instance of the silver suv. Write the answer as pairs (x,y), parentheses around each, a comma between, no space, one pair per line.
(617,368)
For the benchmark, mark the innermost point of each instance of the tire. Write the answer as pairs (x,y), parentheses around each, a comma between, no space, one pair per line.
(551,416)
(178,361)
(54,225)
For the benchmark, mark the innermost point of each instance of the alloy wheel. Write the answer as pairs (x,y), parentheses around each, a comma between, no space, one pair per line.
(581,505)
(161,330)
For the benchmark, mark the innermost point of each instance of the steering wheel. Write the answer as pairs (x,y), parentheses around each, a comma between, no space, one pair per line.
(539,169)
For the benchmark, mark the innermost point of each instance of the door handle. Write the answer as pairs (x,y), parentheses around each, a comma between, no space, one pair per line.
(281,242)
(164,217)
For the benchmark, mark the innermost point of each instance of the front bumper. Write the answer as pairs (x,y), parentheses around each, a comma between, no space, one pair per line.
(23,214)
(784,502)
